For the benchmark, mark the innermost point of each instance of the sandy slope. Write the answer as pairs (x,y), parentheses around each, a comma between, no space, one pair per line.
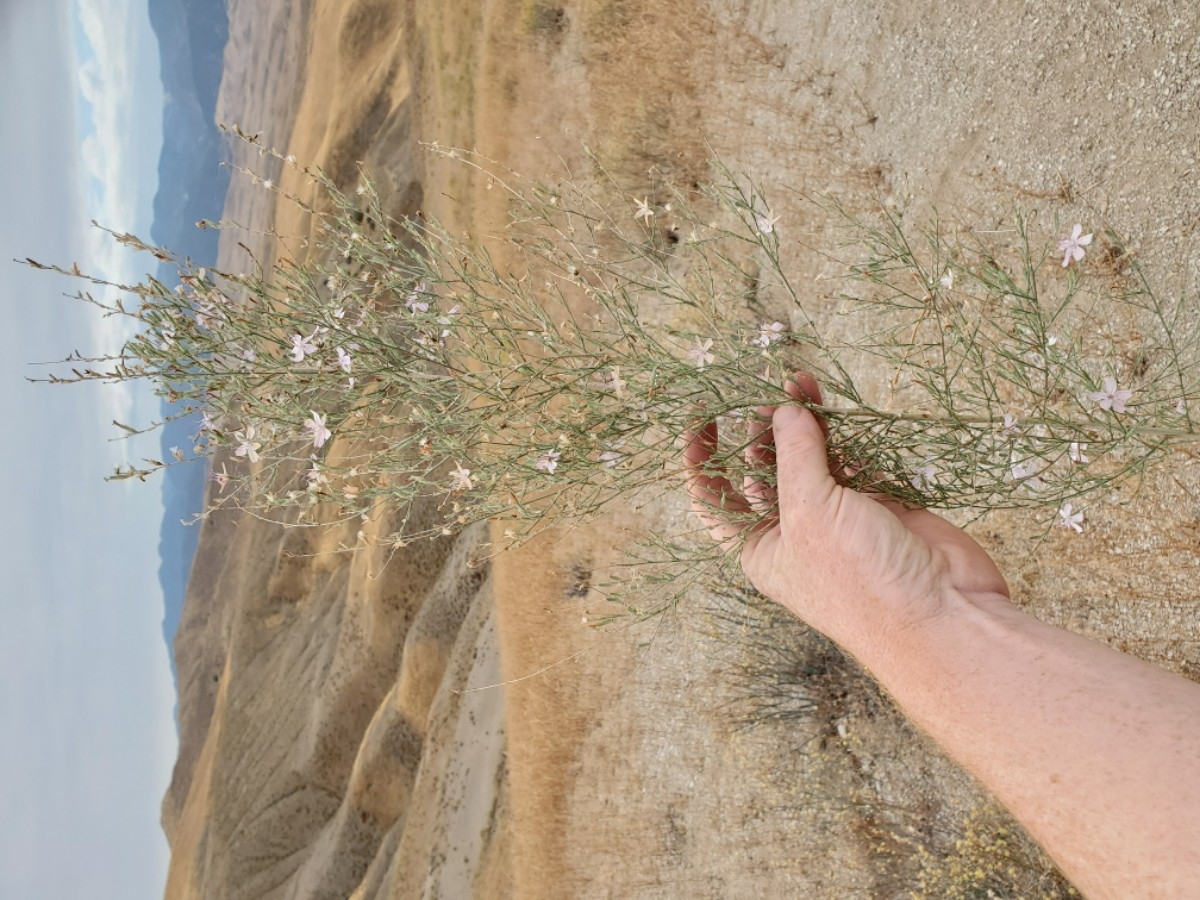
(324,749)
(361,773)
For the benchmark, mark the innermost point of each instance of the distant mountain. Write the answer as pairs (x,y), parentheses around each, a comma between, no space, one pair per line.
(192,185)
(191,181)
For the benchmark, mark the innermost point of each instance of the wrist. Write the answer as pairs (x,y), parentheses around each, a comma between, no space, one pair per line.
(905,630)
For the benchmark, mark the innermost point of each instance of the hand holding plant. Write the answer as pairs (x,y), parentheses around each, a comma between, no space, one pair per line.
(855,566)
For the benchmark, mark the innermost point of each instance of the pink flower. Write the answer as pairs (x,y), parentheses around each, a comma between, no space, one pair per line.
(923,477)
(414,302)
(460,478)
(316,427)
(302,346)
(1110,397)
(765,222)
(699,354)
(1067,518)
(768,334)
(1026,473)
(315,477)
(344,360)
(247,446)
(548,462)
(1072,247)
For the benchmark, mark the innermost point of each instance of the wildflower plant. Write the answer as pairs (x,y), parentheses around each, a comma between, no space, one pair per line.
(546,374)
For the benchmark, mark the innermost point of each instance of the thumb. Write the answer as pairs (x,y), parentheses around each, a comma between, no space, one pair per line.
(801,459)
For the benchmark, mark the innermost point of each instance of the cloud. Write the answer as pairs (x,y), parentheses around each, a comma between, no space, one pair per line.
(88,693)
(120,82)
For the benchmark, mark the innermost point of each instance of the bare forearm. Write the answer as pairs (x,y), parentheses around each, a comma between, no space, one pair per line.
(1095,752)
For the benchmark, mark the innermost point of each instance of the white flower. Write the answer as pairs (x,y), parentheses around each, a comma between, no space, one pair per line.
(947,280)
(1075,452)
(268,184)
(302,346)
(460,478)
(548,461)
(249,355)
(1067,518)
(643,209)
(1072,247)
(206,421)
(1110,397)
(1011,425)
(344,359)
(247,446)
(768,334)
(699,354)
(765,222)
(221,478)
(923,477)
(316,427)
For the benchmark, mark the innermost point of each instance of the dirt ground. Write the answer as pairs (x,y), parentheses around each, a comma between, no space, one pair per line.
(327,746)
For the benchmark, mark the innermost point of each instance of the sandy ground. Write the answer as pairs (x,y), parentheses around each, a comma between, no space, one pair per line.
(326,749)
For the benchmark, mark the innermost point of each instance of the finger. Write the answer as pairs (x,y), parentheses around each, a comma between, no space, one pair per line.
(804,387)
(713,496)
(802,461)
(760,459)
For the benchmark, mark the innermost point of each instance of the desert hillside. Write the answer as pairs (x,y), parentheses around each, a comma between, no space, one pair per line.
(332,744)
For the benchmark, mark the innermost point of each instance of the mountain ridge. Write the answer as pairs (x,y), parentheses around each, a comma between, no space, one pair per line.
(192,183)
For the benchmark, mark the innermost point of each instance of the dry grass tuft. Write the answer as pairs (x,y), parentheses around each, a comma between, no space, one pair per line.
(919,831)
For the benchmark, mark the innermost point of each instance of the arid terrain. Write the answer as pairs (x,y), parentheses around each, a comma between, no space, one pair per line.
(332,744)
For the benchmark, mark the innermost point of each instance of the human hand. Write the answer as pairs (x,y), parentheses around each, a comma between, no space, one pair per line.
(854,566)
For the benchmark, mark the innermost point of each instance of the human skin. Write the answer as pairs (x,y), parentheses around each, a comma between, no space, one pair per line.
(1095,752)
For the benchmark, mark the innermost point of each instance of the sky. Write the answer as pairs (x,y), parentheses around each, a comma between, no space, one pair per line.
(87,697)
